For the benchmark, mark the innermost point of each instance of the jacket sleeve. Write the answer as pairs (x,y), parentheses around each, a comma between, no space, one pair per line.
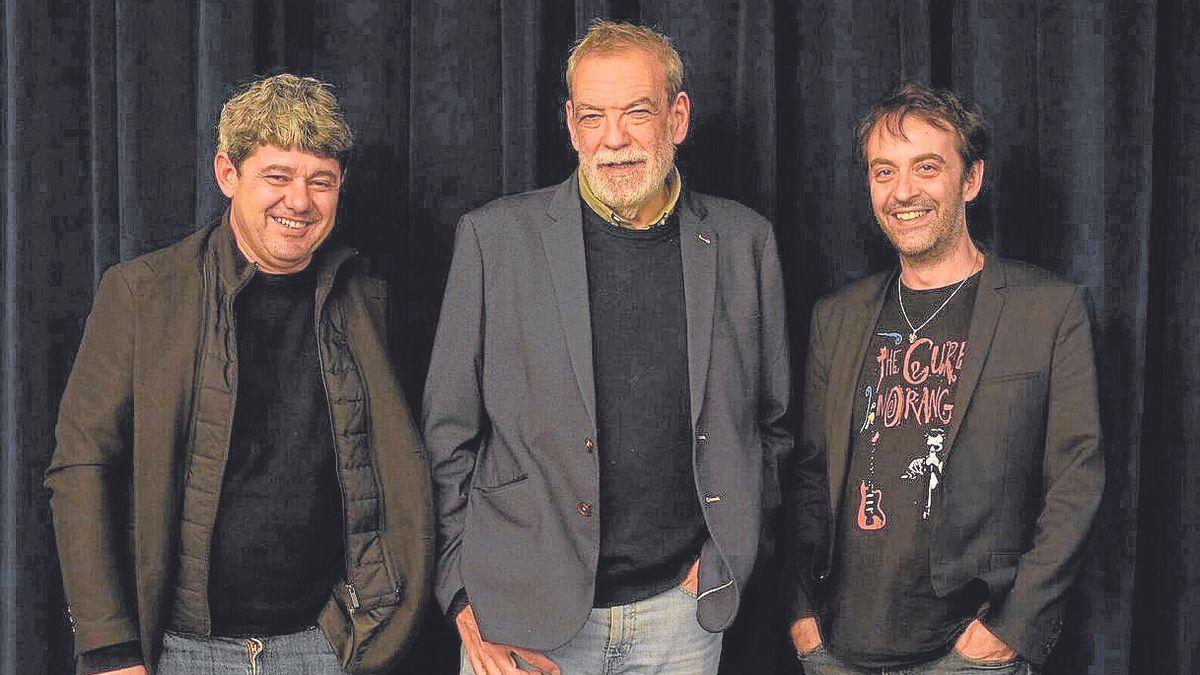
(775,374)
(90,473)
(806,501)
(1029,618)
(454,418)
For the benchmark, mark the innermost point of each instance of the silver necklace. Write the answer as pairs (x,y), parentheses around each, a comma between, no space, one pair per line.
(912,336)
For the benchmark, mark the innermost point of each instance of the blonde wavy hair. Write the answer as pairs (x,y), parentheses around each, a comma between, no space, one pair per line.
(288,112)
(605,38)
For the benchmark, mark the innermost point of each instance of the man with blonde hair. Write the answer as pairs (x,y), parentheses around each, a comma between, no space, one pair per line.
(226,496)
(605,399)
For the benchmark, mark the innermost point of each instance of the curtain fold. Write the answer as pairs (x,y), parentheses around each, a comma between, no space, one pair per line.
(109,111)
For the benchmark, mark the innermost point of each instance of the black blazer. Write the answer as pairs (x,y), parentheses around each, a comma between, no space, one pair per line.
(1024,472)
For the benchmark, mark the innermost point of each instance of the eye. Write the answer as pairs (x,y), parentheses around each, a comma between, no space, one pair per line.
(589,120)
(928,168)
(276,179)
(882,173)
(640,113)
(323,184)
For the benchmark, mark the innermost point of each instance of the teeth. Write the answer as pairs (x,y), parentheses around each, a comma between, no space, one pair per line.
(910,215)
(290,224)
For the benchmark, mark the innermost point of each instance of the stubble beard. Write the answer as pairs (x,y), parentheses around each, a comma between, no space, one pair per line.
(937,242)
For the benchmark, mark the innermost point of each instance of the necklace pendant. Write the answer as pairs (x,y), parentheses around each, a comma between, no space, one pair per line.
(912,337)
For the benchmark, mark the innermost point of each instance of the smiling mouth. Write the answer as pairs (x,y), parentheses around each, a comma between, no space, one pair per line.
(292,224)
(906,216)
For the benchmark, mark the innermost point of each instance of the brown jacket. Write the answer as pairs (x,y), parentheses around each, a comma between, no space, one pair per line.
(143,431)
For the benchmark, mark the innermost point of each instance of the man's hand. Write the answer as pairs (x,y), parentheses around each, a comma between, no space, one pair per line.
(132,670)
(980,644)
(691,583)
(488,658)
(805,634)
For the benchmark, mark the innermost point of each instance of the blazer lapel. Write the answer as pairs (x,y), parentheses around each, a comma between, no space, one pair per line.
(989,303)
(698,250)
(845,367)
(562,238)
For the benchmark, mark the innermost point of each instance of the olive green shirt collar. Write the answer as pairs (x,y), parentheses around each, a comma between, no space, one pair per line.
(674,188)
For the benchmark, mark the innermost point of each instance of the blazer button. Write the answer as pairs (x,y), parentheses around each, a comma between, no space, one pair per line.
(585,509)
(588,445)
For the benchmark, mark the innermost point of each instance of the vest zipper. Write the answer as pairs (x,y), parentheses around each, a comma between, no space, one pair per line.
(351,591)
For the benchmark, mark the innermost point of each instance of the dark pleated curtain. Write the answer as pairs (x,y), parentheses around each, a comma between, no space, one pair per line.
(109,111)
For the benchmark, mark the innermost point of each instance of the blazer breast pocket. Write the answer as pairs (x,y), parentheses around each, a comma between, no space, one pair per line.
(1004,378)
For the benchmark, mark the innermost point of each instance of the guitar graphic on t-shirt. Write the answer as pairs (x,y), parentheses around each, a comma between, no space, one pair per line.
(870,498)
(870,508)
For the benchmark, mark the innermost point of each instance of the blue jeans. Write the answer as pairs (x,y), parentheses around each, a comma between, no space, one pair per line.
(821,662)
(303,653)
(655,636)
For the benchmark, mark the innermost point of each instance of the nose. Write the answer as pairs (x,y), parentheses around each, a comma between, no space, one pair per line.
(296,197)
(615,136)
(906,188)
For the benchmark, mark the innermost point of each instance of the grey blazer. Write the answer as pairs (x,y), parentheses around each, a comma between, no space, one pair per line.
(1023,472)
(510,418)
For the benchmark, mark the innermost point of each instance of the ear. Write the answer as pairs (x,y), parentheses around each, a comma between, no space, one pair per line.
(973,181)
(570,110)
(226,173)
(681,117)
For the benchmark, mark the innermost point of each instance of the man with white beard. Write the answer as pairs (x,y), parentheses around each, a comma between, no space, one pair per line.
(606,393)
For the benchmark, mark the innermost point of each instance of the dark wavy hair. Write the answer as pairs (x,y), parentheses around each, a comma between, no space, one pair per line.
(941,108)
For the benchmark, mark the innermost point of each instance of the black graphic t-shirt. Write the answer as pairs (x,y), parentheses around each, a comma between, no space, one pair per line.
(884,612)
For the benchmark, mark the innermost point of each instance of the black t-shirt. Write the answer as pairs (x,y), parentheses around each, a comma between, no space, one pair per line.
(883,611)
(277,544)
(651,525)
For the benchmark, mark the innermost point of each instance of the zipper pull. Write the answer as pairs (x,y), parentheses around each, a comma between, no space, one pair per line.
(354,603)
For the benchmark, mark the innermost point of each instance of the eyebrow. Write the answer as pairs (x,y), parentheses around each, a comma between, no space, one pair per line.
(283,168)
(919,158)
(643,101)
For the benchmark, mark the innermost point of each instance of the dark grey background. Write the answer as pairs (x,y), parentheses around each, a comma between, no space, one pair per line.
(108,126)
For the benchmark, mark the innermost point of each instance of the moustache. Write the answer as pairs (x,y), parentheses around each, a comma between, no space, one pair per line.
(913,204)
(619,156)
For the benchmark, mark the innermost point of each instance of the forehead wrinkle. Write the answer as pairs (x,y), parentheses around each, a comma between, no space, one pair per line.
(928,156)
(617,77)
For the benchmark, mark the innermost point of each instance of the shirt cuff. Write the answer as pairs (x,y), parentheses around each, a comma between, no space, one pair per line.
(457,605)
